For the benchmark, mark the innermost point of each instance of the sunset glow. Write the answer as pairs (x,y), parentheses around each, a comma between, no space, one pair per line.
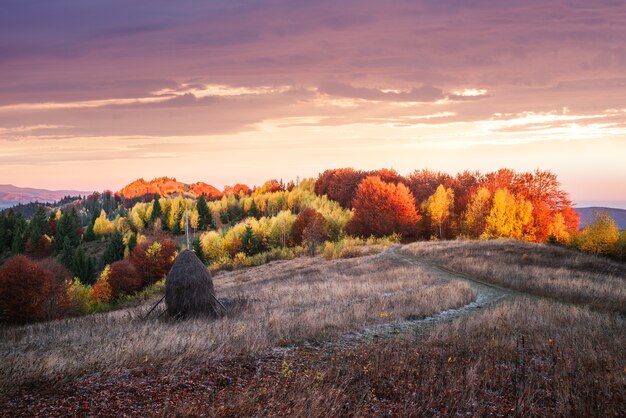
(95,96)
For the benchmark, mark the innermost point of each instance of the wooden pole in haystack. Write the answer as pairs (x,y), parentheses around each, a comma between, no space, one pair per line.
(187,226)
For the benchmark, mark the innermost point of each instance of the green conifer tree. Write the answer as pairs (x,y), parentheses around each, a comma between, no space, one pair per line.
(157,212)
(115,249)
(254,210)
(250,242)
(197,248)
(132,243)
(205,220)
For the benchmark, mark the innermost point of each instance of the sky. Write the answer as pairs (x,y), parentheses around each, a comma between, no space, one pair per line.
(94,94)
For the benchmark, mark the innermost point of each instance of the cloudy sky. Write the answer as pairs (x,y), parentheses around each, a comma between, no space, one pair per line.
(94,94)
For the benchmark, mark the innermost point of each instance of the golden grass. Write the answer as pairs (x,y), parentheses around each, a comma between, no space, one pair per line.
(283,302)
(540,269)
(520,358)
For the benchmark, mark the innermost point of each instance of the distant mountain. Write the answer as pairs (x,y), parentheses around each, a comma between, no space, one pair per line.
(167,187)
(588,215)
(12,195)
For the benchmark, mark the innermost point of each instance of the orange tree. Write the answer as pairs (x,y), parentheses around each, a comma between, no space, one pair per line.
(382,209)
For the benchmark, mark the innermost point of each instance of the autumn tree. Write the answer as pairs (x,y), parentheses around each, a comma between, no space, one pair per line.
(102,226)
(123,278)
(423,183)
(557,230)
(303,220)
(339,185)
(509,216)
(101,290)
(153,259)
(27,291)
(382,209)
(475,217)
(600,237)
(314,234)
(438,207)
(281,232)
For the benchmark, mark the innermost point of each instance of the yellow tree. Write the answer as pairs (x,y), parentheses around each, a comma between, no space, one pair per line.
(475,217)
(438,206)
(557,229)
(102,226)
(601,236)
(509,216)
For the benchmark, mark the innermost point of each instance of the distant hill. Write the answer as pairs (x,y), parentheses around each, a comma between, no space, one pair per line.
(167,187)
(587,215)
(12,195)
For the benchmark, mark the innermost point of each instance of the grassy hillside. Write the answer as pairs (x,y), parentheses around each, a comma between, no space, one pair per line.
(371,335)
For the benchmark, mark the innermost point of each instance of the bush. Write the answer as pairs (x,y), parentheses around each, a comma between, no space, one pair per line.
(600,237)
(153,260)
(123,278)
(101,291)
(62,277)
(28,292)
(350,247)
(81,301)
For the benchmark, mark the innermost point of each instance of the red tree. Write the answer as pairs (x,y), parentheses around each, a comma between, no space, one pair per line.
(423,183)
(28,292)
(123,278)
(382,209)
(153,259)
(339,185)
(306,218)
(388,175)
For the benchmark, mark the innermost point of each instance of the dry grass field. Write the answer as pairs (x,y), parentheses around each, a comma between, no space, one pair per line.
(521,358)
(539,269)
(554,346)
(280,303)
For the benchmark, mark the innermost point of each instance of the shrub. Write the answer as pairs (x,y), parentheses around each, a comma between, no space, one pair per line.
(123,278)
(101,291)
(27,291)
(153,259)
(81,301)
(239,260)
(62,276)
(600,237)
(212,245)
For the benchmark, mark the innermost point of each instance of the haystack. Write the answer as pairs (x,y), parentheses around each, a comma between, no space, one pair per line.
(189,289)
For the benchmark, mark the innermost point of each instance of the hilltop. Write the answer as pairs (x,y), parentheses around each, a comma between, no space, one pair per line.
(588,215)
(168,187)
(11,195)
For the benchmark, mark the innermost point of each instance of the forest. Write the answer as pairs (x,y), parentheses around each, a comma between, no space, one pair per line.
(99,252)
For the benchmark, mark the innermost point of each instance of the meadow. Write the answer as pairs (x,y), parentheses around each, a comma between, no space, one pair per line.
(309,337)
(276,304)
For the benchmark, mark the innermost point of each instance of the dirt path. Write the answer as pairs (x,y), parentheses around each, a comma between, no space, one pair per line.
(486,295)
